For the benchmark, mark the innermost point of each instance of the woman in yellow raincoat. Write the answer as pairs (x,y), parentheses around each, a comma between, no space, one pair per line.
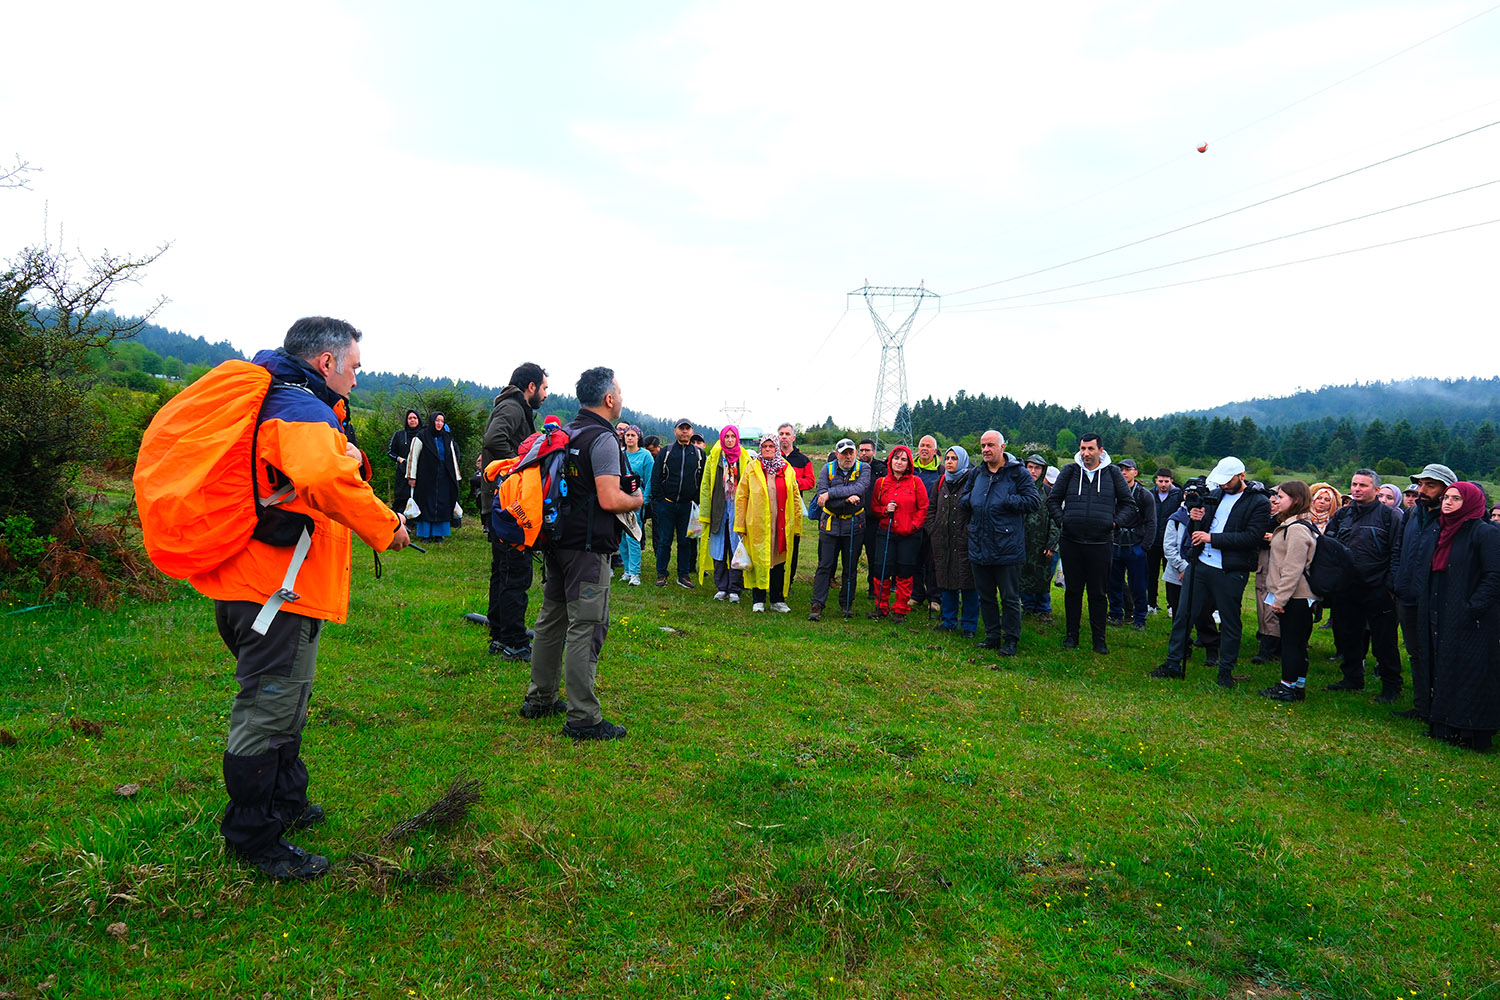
(721,477)
(768,517)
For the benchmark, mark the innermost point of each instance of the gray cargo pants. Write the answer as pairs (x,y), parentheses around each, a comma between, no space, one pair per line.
(570,631)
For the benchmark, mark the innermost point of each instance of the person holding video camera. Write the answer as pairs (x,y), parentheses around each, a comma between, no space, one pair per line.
(1227,529)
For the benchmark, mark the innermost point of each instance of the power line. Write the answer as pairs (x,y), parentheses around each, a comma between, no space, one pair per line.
(1220,253)
(1266,117)
(1236,274)
(1361,72)
(1225,215)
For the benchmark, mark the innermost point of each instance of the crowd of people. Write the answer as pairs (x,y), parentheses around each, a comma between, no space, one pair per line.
(979,541)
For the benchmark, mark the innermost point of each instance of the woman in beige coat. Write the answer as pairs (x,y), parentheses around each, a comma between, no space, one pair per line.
(1293,542)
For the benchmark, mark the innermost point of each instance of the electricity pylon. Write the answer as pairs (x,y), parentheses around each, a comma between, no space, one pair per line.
(890,384)
(735,414)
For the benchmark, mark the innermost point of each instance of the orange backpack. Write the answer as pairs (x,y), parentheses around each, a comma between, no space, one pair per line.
(195,473)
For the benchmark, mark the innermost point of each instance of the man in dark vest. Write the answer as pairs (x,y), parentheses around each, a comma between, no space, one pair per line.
(574,620)
(1365,618)
(512,420)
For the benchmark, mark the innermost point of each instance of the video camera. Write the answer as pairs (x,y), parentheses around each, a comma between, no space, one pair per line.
(1197,493)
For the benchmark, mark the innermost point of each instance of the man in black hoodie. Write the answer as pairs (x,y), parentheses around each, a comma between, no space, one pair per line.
(1090,500)
(675,478)
(512,420)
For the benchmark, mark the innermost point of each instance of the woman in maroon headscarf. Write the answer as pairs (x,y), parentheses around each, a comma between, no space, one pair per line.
(1459,614)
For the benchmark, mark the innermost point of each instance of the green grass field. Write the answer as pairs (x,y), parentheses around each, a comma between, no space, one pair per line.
(801,810)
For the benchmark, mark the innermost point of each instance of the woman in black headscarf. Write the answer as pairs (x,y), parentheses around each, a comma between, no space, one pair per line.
(432,474)
(398,450)
(1459,610)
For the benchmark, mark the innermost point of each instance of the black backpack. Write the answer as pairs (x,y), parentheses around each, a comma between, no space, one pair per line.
(1331,571)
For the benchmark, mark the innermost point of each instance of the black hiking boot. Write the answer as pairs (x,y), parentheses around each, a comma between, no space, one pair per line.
(1167,672)
(289,863)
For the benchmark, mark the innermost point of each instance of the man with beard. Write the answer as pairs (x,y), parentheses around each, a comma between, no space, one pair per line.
(1090,500)
(1410,566)
(1130,555)
(1225,540)
(512,420)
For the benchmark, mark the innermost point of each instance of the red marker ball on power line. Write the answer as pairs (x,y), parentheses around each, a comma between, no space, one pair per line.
(1203,148)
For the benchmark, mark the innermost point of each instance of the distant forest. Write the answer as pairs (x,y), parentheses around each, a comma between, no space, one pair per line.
(1458,434)
(1393,427)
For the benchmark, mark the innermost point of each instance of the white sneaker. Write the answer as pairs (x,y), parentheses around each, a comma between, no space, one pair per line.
(720,595)
(757,606)
(734,598)
(780,606)
(635,581)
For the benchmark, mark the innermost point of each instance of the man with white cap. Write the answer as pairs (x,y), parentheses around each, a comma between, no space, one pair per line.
(1365,617)
(1226,539)
(1409,570)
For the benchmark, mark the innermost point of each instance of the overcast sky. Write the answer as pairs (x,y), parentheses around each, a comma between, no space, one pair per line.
(686,191)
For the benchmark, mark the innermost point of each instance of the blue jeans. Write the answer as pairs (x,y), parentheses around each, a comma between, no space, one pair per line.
(1131,560)
(968,619)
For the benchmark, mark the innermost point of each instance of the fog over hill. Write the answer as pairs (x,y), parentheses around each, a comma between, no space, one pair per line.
(1415,399)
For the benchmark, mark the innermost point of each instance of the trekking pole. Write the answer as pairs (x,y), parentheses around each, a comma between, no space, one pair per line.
(884,551)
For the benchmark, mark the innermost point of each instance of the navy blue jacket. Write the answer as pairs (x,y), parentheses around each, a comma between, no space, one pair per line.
(997,504)
(1412,559)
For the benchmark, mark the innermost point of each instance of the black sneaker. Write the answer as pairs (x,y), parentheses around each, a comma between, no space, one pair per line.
(1347,684)
(1101,648)
(1389,694)
(1070,642)
(531,710)
(288,863)
(1410,713)
(661,581)
(988,643)
(685,583)
(1225,679)
(1116,621)
(1139,626)
(876,615)
(601,730)
(1009,649)
(1167,672)
(517,653)
(311,816)
(967,633)
(940,627)
(1284,692)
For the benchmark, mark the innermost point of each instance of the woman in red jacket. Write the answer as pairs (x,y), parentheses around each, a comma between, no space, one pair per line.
(901,504)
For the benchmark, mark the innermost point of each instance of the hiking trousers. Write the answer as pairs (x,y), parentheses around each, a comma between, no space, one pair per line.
(570,632)
(263,769)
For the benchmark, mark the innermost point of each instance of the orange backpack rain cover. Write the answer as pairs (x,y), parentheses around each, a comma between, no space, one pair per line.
(194,475)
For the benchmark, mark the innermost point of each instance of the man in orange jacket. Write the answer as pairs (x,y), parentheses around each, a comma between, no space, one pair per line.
(272,628)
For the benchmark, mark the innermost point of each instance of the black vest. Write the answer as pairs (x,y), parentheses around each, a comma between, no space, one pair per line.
(585,525)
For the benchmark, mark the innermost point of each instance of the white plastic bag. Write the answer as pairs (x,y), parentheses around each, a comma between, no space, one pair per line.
(412,510)
(695,527)
(741,558)
(458,512)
